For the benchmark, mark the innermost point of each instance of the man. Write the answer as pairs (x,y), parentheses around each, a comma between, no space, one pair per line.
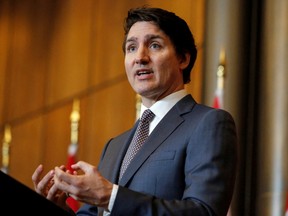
(186,166)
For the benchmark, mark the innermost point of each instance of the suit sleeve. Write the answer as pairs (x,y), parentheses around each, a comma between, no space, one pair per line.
(210,171)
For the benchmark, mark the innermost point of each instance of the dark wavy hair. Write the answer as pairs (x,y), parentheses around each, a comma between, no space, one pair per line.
(173,26)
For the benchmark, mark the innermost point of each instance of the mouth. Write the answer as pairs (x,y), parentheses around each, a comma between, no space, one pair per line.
(143,72)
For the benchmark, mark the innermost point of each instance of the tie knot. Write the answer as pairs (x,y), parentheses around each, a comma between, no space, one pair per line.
(147,116)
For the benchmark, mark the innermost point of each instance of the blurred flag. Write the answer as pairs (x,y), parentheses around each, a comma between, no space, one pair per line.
(6,149)
(219,92)
(218,98)
(72,151)
(218,101)
(73,147)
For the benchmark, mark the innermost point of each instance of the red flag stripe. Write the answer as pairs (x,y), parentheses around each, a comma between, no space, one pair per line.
(74,205)
(218,99)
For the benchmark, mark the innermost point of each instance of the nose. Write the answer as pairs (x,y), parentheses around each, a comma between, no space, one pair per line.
(142,56)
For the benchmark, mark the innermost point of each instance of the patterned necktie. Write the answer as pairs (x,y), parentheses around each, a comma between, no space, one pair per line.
(139,138)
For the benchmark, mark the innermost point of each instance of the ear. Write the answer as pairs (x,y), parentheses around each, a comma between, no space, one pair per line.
(184,61)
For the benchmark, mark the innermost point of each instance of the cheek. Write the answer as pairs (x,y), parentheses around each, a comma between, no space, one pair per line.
(170,71)
(167,66)
(168,60)
(127,64)
(125,61)
(128,70)
(129,58)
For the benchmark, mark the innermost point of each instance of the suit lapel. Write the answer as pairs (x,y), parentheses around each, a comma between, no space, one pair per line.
(111,162)
(168,124)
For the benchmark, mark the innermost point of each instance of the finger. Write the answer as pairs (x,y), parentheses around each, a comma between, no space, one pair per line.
(62,167)
(66,182)
(63,179)
(36,175)
(52,193)
(57,196)
(74,172)
(85,167)
(44,185)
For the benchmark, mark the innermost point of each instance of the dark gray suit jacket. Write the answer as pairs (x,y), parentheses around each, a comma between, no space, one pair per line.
(186,167)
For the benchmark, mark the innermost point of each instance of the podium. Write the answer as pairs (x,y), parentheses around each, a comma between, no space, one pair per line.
(18,198)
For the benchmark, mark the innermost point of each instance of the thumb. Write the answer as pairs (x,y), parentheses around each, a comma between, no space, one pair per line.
(83,166)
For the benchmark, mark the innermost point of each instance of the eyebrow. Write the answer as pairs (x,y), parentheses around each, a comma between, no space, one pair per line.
(147,38)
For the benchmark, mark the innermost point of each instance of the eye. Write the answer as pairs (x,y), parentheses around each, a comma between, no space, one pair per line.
(130,48)
(155,45)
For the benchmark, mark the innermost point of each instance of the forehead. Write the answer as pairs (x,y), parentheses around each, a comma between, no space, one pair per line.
(143,28)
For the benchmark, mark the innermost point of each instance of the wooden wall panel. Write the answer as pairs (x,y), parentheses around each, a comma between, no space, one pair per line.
(69,57)
(56,136)
(56,51)
(27,57)
(105,114)
(107,55)
(26,149)
(4,46)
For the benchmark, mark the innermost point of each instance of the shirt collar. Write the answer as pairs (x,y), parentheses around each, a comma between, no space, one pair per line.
(161,107)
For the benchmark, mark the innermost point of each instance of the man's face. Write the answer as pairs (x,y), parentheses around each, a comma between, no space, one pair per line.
(153,68)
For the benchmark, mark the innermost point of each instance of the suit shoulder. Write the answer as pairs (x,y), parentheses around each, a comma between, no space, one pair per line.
(204,112)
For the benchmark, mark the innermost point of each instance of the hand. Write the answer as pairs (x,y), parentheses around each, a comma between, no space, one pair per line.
(90,187)
(46,187)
